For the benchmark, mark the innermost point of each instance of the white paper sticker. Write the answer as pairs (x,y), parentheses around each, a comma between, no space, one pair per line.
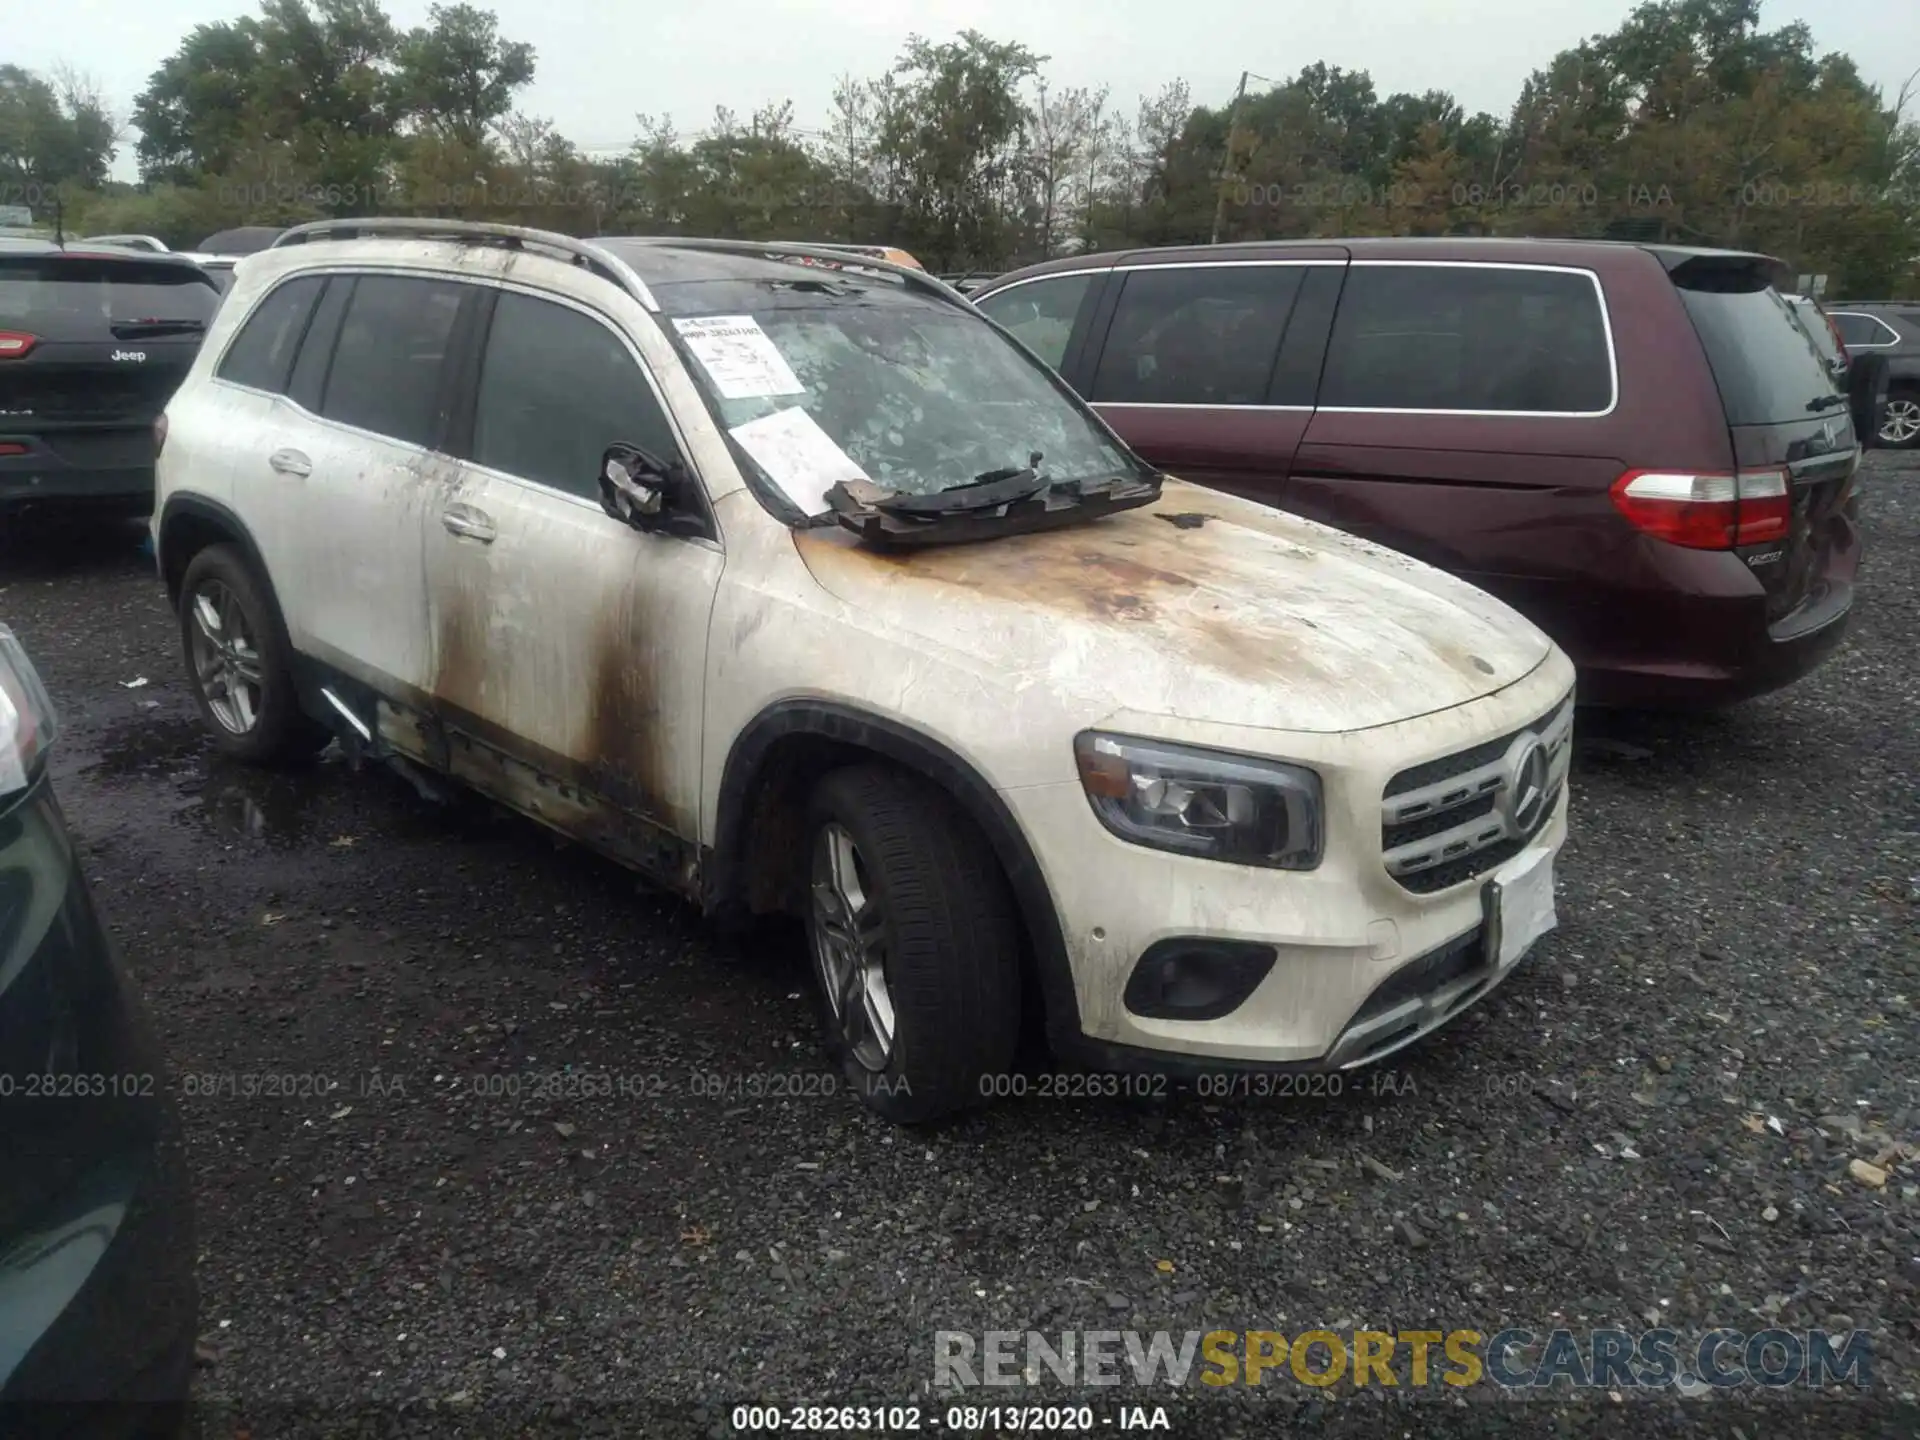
(739,356)
(798,456)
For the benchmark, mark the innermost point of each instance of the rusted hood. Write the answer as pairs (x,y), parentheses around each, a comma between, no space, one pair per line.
(1249,617)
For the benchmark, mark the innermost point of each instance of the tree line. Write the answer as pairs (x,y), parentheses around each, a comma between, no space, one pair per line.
(1689,123)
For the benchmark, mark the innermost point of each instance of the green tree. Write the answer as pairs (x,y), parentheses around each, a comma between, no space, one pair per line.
(951,139)
(457,76)
(53,133)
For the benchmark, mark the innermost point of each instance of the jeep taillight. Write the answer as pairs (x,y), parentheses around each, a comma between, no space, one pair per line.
(1707,511)
(15,343)
(159,432)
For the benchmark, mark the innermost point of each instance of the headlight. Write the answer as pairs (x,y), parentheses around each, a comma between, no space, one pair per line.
(1208,803)
(26,716)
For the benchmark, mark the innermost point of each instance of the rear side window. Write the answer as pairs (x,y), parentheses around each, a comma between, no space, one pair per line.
(1865,332)
(1469,338)
(1767,367)
(1040,313)
(261,355)
(76,297)
(387,365)
(1201,335)
(556,389)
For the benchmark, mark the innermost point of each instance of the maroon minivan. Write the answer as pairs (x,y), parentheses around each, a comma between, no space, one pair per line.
(1636,446)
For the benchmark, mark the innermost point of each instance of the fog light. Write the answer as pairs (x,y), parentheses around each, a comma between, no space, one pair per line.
(1194,979)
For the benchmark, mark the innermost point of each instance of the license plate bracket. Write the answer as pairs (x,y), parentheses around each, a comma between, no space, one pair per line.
(1517,906)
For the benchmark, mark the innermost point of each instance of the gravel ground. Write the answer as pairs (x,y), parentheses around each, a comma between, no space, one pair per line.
(1647,1123)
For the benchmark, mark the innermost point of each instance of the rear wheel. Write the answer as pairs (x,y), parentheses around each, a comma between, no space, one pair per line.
(1900,420)
(915,944)
(237,662)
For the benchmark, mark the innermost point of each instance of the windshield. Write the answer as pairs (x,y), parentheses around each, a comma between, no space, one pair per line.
(913,394)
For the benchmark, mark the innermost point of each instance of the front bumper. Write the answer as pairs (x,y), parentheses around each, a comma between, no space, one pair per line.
(1364,965)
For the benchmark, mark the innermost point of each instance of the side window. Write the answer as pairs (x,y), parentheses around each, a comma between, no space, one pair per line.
(1864,330)
(387,365)
(1040,313)
(557,387)
(261,355)
(1468,337)
(316,349)
(1203,335)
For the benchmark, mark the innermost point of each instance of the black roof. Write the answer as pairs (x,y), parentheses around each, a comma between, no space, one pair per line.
(243,240)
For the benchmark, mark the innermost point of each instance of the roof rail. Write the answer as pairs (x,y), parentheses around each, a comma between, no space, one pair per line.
(775,249)
(583,253)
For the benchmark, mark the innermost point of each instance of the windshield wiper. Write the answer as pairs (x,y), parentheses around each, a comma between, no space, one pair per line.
(986,491)
(996,503)
(150,329)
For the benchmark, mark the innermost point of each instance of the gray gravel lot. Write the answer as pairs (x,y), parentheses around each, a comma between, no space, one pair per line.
(1644,1125)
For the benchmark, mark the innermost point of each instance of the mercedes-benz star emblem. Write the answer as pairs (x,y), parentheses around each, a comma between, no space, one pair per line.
(1526,797)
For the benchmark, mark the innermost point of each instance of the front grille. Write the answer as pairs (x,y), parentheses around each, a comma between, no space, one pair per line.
(1447,820)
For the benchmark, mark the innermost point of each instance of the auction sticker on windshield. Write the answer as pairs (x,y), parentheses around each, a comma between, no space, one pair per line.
(742,361)
(798,456)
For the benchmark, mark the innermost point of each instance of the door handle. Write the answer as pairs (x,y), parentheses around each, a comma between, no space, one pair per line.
(467,521)
(290,462)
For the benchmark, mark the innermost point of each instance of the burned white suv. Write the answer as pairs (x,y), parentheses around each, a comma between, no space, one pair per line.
(788,579)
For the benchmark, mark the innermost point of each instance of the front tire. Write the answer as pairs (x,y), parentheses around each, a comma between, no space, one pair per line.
(915,944)
(238,663)
(1900,421)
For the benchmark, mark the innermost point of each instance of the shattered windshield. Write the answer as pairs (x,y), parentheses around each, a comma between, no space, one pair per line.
(826,381)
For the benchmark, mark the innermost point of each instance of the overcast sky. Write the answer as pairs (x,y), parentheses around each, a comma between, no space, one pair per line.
(599,61)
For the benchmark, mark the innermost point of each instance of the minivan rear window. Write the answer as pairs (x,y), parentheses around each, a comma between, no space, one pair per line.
(1768,368)
(1474,338)
(73,297)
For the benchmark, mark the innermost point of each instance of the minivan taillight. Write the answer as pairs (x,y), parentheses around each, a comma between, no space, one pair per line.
(15,343)
(1707,512)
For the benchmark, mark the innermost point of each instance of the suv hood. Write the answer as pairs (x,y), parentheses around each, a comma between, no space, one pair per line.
(1203,607)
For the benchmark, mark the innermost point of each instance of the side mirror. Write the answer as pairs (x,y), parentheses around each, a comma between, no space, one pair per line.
(636,488)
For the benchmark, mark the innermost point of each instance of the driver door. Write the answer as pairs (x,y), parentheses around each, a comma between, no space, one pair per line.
(569,650)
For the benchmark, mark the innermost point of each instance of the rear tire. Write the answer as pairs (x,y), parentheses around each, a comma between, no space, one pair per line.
(915,944)
(1900,420)
(238,663)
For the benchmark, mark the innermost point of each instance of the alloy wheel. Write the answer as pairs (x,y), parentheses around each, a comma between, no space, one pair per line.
(1900,421)
(849,948)
(226,658)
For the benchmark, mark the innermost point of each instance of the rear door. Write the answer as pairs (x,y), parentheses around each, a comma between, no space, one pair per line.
(348,466)
(1185,362)
(91,349)
(1462,419)
(1784,412)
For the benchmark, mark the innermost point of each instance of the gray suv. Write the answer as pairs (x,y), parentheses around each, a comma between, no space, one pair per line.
(1890,328)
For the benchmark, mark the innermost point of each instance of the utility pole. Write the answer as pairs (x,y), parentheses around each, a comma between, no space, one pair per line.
(1233,119)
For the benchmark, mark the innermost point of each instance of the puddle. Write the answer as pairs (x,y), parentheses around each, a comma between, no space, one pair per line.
(148,747)
(282,810)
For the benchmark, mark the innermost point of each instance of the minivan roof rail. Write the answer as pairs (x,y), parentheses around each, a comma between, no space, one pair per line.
(774,249)
(583,253)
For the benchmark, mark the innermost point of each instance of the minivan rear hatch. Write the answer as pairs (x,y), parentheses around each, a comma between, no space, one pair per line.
(1785,413)
(92,342)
